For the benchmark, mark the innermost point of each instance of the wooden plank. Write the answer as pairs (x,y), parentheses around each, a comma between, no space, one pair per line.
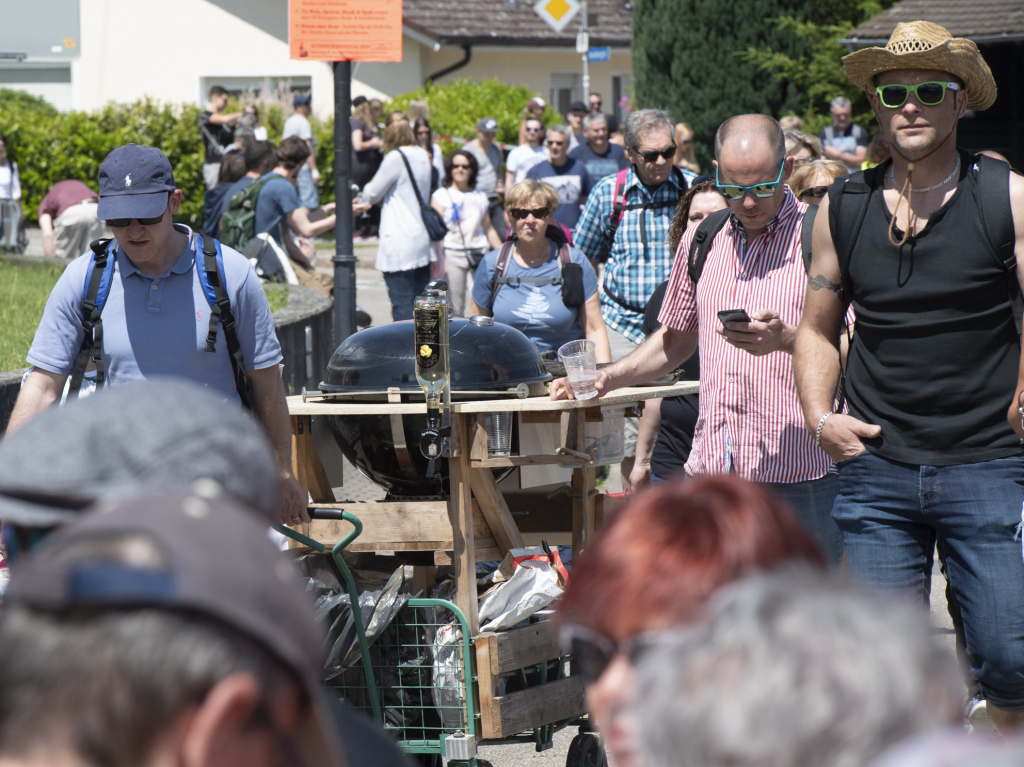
(478,450)
(487,686)
(424,578)
(444,556)
(525,460)
(583,482)
(410,521)
(306,464)
(460,511)
(495,511)
(628,395)
(546,704)
(527,646)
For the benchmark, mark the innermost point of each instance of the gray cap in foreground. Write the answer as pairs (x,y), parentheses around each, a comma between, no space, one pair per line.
(157,434)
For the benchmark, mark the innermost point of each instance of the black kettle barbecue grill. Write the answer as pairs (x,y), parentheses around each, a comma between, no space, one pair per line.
(488,360)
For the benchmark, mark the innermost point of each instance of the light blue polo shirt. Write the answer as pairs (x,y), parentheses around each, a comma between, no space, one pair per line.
(158,327)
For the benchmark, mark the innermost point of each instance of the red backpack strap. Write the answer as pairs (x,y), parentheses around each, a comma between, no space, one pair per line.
(500,267)
(618,206)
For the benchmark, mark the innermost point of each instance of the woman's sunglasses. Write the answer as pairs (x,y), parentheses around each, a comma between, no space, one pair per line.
(520,214)
(929,94)
(649,157)
(734,193)
(592,652)
(814,191)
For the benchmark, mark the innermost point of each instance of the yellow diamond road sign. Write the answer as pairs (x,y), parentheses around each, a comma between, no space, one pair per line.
(557,13)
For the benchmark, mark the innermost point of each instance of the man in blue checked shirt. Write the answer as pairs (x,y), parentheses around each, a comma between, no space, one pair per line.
(627,222)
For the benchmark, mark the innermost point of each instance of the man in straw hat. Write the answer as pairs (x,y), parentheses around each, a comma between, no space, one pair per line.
(926,450)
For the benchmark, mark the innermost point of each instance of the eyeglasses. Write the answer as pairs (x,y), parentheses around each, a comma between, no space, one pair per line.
(593,652)
(929,94)
(123,222)
(520,214)
(532,130)
(814,191)
(733,193)
(649,157)
(460,167)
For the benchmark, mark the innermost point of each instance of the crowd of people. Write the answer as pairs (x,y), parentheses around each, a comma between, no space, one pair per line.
(847,305)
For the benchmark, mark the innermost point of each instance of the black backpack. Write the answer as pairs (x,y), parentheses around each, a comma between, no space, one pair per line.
(570,274)
(211,277)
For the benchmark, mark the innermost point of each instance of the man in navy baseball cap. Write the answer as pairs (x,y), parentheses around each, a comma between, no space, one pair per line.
(156,320)
(135,182)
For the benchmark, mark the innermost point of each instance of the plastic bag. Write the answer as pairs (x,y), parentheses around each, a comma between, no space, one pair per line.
(537,577)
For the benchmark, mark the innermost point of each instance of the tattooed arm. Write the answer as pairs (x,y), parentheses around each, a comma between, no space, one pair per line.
(816,358)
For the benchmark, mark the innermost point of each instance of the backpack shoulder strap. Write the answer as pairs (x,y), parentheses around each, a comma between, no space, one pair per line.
(994,208)
(705,235)
(94,296)
(211,277)
(806,233)
(997,218)
(500,267)
(618,198)
(848,200)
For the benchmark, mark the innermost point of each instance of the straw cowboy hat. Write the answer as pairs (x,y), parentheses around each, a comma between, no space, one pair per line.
(924,45)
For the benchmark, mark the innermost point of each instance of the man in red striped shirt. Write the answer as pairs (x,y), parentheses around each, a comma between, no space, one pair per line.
(750,422)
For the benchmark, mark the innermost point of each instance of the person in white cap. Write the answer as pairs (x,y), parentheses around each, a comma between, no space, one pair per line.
(923,246)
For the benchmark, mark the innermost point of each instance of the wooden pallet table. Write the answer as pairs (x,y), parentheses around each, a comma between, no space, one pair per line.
(478,523)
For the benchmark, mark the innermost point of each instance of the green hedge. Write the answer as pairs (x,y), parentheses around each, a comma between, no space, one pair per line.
(51,146)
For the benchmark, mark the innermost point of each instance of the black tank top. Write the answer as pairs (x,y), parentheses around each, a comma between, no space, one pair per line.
(935,351)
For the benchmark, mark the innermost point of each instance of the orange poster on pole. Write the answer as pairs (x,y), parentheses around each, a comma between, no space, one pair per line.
(345,30)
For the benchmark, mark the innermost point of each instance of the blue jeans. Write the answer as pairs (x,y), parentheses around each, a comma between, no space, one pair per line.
(403,287)
(812,501)
(890,514)
(307,189)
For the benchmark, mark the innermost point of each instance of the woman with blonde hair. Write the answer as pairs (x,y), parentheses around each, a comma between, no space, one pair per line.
(528,287)
(404,253)
(811,179)
(366,156)
(802,146)
(685,157)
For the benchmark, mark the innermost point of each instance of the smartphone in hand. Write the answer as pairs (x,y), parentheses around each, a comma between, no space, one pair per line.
(733,315)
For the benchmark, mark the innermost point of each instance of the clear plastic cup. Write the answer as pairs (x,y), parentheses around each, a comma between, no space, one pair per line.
(499,433)
(580,360)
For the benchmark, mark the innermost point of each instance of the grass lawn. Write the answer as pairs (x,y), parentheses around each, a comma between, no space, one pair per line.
(23,292)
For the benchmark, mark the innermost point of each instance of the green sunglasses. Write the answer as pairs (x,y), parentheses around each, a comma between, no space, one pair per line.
(929,94)
(763,191)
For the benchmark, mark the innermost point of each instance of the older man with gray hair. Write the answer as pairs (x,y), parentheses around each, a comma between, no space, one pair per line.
(601,157)
(626,222)
(794,670)
(844,140)
(569,177)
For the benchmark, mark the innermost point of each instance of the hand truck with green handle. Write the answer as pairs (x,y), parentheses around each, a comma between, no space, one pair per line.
(418,682)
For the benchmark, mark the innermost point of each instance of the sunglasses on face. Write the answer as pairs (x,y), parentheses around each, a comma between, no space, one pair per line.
(929,94)
(734,193)
(651,157)
(593,652)
(123,222)
(814,191)
(521,214)
(532,130)
(459,167)
(556,143)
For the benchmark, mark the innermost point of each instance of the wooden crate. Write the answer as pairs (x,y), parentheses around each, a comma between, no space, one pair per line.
(497,653)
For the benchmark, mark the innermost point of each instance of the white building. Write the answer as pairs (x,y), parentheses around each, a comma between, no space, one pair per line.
(174,52)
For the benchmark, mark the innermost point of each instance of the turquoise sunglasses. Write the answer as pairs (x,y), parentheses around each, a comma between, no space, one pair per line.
(763,191)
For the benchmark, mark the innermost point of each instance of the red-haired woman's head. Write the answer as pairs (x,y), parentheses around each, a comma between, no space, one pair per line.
(654,566)
(667,550)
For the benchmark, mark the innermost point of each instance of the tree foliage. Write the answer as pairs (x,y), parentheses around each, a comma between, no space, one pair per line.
(455,108)
(688,59)
(705,62)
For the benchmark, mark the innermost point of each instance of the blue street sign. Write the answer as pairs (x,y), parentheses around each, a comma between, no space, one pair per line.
(599,54)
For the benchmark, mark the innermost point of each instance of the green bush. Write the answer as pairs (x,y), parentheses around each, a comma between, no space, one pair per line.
(455,108)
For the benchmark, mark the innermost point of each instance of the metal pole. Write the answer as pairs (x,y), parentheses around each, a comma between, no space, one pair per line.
(586,57)
(344,257)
